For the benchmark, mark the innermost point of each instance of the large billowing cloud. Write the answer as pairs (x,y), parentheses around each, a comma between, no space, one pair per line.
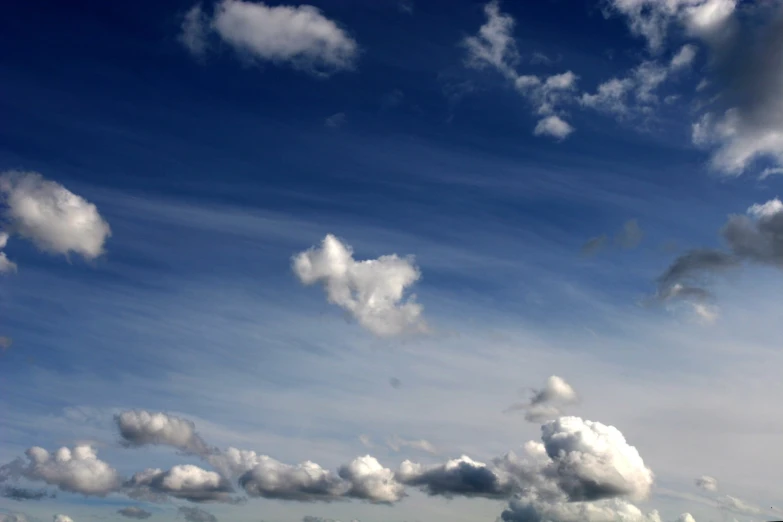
(372,291)
(140,427)
(299,36)
(76,471)
(53,218)
(547,403)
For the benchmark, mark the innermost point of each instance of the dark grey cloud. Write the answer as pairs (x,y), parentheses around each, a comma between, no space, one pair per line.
(20,494)
(458,477)
(134,512)
(192,514)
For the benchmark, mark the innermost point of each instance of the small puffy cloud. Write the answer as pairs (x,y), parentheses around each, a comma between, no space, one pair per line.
(307,481)
(630,236)
(335,121)
(553,126)
(134,512)
(372,291)
(369,480)
(192,514)
(194,31)
(686,517)
(53,218)
(62,518)
(547,402)
(76,471)
(140,427)
(684,57)
(494,44)
(299,36)
(187,482)
(707,483)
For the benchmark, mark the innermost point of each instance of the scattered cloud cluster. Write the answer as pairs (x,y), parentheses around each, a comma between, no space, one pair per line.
(709,486)
(630,236)
(298,36)
(547,403)
(53,218)
(372,291)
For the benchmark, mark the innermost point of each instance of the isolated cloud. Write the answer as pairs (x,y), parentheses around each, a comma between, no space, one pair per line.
(494,44)
(547,402)
(593,245)
(140,427)
(62,518)
(553,126)
(13,517)
(76,471)
(335,121)
(192,514)
(707,483)
(298,36)
(397,443)
(134,512)
(372,291)
(194,31)
(187,482)
(55,219)
(630,236)
(21,494)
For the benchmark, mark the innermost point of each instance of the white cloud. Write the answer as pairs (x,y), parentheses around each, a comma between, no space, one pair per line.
(187,482)
(530,508)
(307,481)
(335,121)
(299,36)
(140,427)
(12,517)
(771,171)
(194,31)
(55,219)
(707,483)
(372,291)
(397,443)
(76,471)
(553,126)
(371,481)
(6,265)
(684,57)
(62,518)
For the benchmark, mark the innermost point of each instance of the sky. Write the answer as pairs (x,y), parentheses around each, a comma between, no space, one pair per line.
(391,261)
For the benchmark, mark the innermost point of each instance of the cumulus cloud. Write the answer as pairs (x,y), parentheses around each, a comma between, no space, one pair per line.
(192,514)
(76,471)
(134,512)
(140,428)
(6,265)
(62,518)
(53,218)
(369,480)
(298,36)
(187,482)
(754,237)
(307,481)
(547,402)
(372,291)
(456,477)
(707,483)
(494,46)
(531,508)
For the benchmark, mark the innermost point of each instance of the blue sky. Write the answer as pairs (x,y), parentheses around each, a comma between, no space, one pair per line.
(218,156)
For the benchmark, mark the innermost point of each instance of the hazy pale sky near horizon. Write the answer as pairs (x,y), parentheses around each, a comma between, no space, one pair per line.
(391,260)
